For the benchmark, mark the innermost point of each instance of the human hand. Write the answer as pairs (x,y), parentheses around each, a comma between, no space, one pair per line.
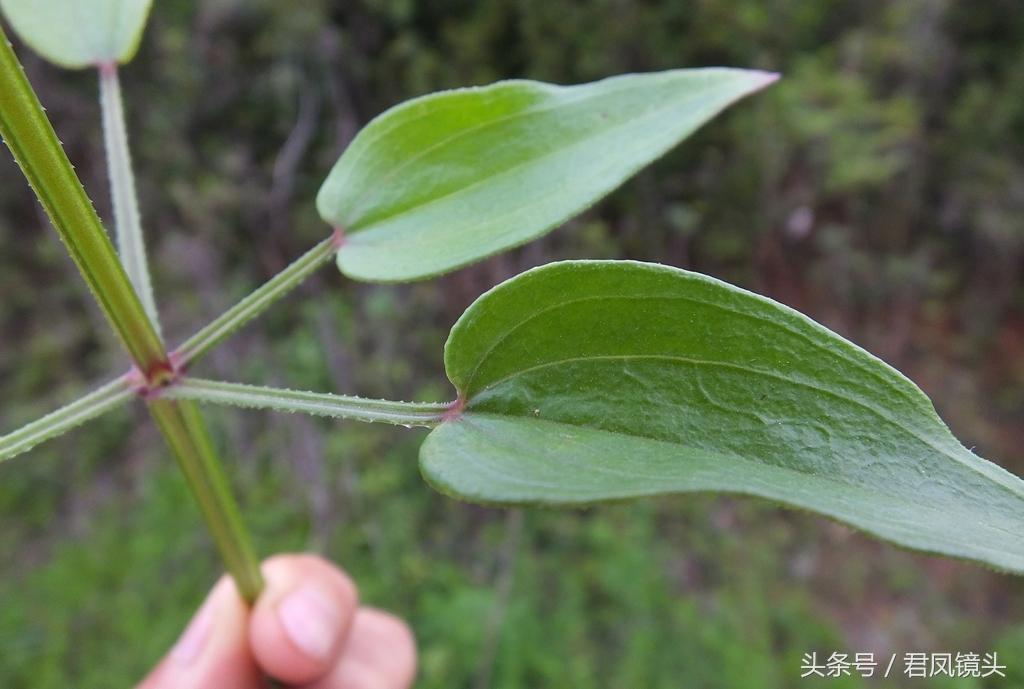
(307,628)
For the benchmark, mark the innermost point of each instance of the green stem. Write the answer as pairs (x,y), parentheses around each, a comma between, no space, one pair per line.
(254,304)
(130,243)
(186,435)
(27,131)
(31,138)
(318,403)
(98,402)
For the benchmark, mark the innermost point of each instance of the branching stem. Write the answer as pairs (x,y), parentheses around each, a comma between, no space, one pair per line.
(31,138)
(35,146)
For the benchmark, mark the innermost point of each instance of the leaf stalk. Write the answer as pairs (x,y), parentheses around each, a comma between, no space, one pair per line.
(254,304)
(317,403)
(131,246)
(96,403)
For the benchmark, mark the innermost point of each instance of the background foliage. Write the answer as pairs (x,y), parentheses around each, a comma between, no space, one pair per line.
(879,188)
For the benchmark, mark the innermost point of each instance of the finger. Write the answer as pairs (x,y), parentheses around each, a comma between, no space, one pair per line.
(380,654)
(213,650)
(300,622)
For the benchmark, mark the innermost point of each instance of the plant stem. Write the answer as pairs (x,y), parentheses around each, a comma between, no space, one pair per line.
(29,134)
(131,245)
(31,138)
(99,401)
(318,403)
(254,304)
(186,434)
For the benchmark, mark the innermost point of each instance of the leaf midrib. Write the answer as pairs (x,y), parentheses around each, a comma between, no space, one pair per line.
(356,228)
(1015,491)
(712,363)
(907,395)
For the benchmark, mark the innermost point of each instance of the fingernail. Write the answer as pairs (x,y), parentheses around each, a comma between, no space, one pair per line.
(187,649)
(311,620)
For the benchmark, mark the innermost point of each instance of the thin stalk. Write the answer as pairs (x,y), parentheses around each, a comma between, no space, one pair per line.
(31,138)
(255,303)
(98,402)
(131,246)
(28,132)
(318,403)
(186,435)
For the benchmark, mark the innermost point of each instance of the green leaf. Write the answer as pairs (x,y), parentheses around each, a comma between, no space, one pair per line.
(444,180)
(589,381)
(79,33)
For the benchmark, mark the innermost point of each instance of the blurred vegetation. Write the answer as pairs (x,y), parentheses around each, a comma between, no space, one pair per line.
(878,187)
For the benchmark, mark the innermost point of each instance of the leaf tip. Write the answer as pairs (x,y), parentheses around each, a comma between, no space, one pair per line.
(763,79)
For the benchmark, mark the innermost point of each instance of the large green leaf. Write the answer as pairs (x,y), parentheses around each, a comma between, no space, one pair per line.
(588,381)
(447,179)
(79,33)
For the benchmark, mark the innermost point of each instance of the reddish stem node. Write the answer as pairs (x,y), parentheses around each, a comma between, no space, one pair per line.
(338,237)
(455,409)
(157,377)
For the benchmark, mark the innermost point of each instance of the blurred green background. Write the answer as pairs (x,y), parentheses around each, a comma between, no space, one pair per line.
(879,187)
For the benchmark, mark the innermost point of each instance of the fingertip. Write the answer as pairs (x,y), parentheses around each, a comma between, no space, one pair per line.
(300,622)
(385,642)
(380,654)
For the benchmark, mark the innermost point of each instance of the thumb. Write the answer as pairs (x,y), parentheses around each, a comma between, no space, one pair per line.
(213,651)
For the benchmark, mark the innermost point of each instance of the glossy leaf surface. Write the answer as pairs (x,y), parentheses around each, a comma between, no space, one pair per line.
(589,381)
(450,178)
(79,33)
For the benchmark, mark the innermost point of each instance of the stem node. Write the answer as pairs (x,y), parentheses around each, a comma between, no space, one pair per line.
(338,237)
(454,410)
